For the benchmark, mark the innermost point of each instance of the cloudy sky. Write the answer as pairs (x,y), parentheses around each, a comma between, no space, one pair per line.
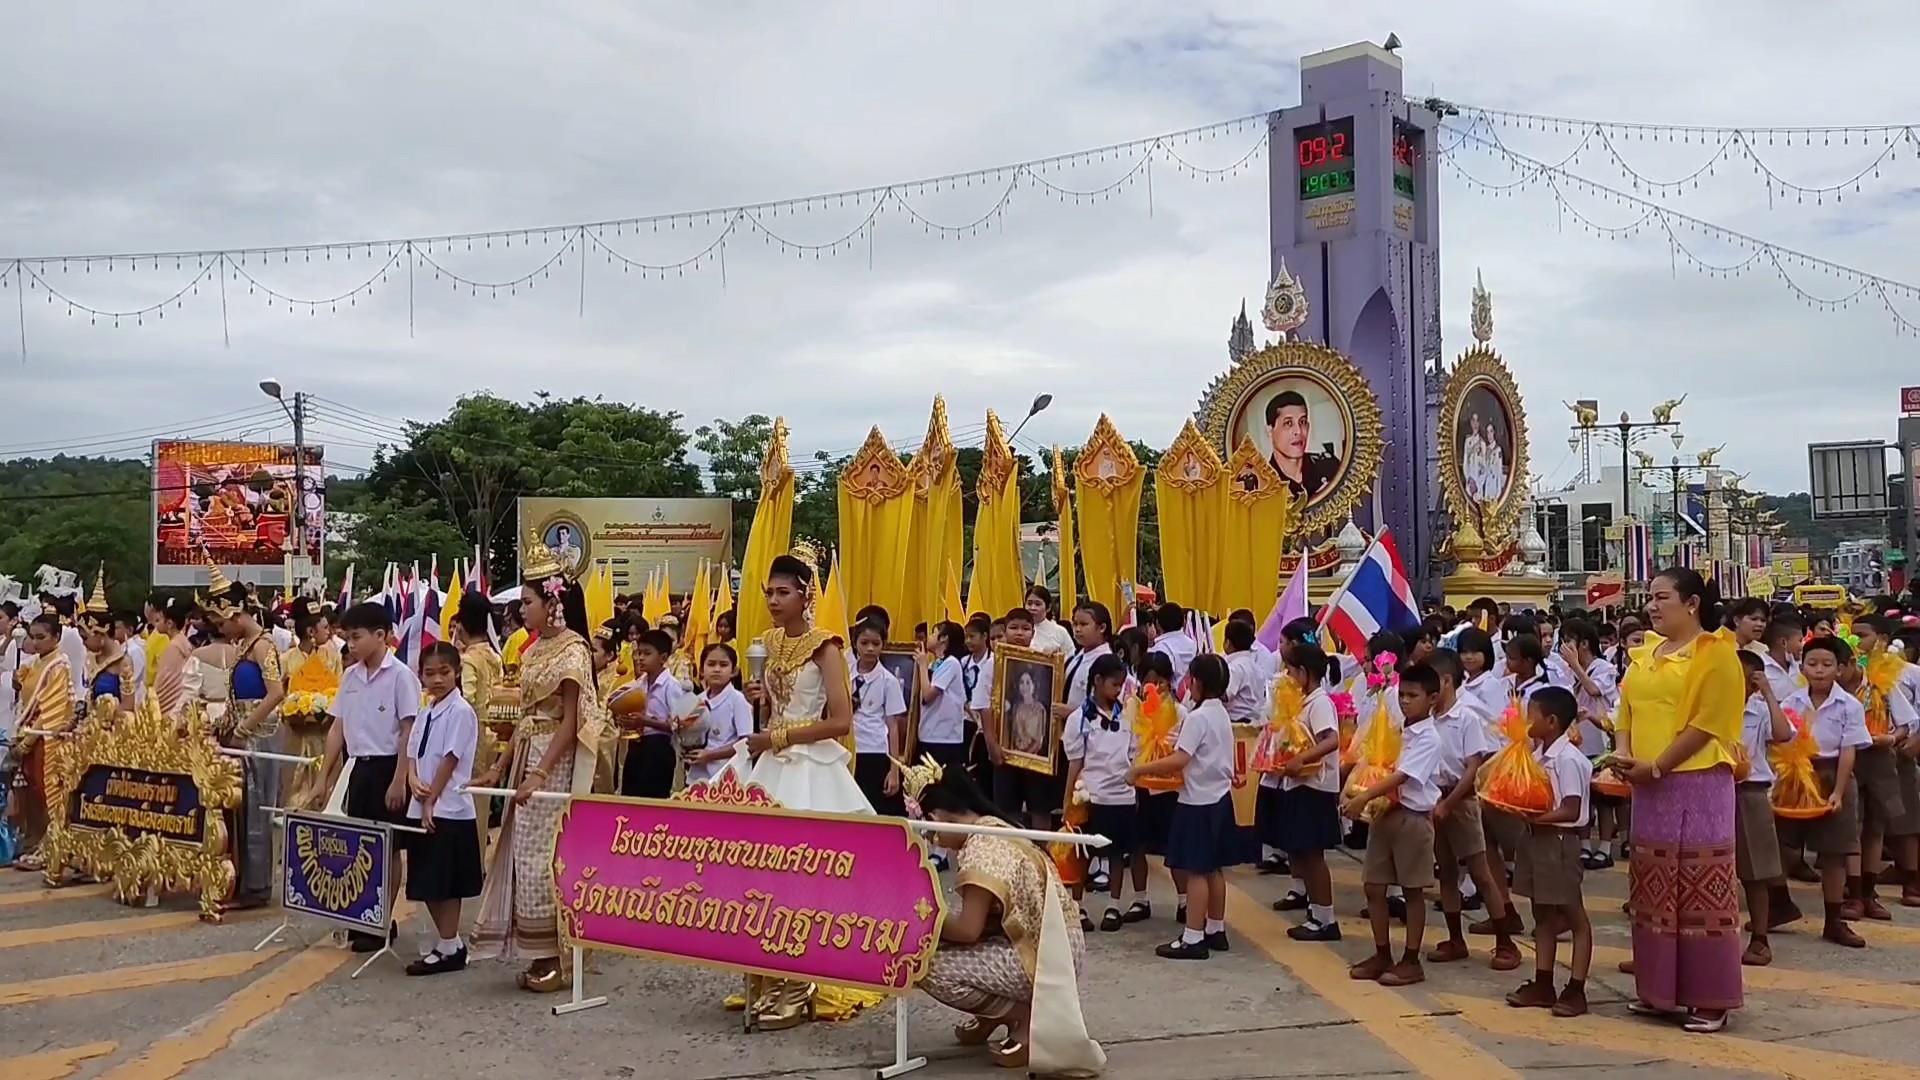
(164,129)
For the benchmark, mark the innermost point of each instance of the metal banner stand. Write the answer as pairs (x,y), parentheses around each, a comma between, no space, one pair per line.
(280,814)
(902,1064)
(579,1002)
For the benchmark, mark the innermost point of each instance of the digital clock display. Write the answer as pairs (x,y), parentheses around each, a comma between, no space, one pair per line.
(1409,147)
(1324,152)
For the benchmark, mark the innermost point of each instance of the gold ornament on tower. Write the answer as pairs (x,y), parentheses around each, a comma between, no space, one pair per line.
(1285,309)
(1481,319)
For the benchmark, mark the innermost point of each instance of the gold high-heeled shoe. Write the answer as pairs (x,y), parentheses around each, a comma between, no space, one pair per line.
(975,1032)
(551,981)
(786,1004)
(1009,1055)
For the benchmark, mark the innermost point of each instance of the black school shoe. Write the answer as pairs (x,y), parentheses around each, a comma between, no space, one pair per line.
(1217,941)
(1314,931)
(439,963)
(1293,901)
(1274,864)
(1183,950)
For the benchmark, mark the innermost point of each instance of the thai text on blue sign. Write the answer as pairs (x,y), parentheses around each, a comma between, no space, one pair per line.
(337,870)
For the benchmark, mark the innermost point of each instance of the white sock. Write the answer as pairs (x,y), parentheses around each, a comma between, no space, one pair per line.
(1322,915)
(1299,887)
(1216,926)
(1393,890)
(1468,887)
(449,946)
(1192,937)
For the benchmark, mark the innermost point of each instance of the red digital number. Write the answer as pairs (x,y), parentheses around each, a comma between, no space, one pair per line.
(1403,150)
(1339,147)
(1313,152)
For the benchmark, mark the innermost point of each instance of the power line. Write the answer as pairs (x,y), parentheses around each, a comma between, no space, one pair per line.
(1672,223)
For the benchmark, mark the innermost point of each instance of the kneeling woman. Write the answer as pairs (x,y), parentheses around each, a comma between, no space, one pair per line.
(1012,952)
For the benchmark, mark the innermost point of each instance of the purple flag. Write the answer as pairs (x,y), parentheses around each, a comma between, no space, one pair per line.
(1290,605)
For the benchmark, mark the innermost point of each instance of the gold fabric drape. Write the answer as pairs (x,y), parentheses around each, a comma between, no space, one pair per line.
(937,523)
(999,583)
(1069,593)
(770,535)
(1191,497)
(876,520)
(1107,480)
(1257,515)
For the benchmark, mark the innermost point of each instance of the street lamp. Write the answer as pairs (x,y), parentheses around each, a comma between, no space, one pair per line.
(1040,403)
(1630,433)
(298,414)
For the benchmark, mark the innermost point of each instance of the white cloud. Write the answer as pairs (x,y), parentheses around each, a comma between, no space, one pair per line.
(164,130)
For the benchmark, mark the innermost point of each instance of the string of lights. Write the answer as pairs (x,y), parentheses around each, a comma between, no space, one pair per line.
(1726,146)
(1761,254)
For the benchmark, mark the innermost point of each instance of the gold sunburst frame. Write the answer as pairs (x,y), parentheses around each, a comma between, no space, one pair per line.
(1498,522)
(144,741)
(1344,385)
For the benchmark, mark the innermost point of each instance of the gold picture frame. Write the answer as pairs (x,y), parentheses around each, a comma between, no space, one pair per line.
(143,741)
(1010,665)
(901,659)
(1481,383)
(1342,386)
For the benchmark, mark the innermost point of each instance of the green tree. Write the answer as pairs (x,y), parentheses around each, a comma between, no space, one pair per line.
(76,513)
(734,453)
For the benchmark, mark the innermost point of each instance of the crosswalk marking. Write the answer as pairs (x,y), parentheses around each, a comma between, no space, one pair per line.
(1657,1039)
(1425,1042)
(217,966)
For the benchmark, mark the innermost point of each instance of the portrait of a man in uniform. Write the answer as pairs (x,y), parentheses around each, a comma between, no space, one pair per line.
(1309,471)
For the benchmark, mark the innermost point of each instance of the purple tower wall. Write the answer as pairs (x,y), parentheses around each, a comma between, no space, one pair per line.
(1354,197)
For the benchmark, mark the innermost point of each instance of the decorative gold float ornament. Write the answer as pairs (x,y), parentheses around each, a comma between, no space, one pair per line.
(1483,428)
(137,800)
(1307,408)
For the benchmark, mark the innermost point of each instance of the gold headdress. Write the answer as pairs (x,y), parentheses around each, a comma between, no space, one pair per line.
(915,779)
(537,560)
(808,552)
(220,602)
(95,615)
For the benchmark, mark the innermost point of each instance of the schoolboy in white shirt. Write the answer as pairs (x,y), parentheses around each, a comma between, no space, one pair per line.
(1173,641)
(1400,838)
(1459,837)
(1549,869)
(879,723)
(1840,732)
(1246,689)
(1756,853)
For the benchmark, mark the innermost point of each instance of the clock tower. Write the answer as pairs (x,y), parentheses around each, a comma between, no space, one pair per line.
(1356,219)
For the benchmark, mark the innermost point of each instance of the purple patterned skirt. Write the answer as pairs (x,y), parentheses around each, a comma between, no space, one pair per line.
(1686,895)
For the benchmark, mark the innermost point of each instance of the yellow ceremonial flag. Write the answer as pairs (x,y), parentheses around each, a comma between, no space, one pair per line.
(954,609)
(452,607)
(1107,481)
(722,590)
(1190,493)
(771,535)
(659,602)
(830,612)
(1069,593)
(699,626)
(936,539)
(1257,515)
(999,581)
(876,521)
(597,591)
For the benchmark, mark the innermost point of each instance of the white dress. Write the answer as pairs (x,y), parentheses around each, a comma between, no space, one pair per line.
(804,776)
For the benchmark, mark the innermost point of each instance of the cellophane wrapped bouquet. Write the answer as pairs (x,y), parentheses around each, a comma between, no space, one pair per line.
(1381,681)
(1796,787)
(309,694)
(1513,780)
(1070,860)
(1379,754)
(1156,722)
(1286,735)
(1348,713)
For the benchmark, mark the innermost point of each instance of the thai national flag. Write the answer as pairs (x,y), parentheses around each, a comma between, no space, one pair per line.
(1376,596)
(345,599)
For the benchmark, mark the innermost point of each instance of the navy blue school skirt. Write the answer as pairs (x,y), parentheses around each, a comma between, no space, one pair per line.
(1155,818)
(1306,820)
(1204,838)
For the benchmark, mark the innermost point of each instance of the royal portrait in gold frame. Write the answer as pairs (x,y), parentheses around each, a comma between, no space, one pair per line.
(1483,446)
(1315,417)
(900,658)
(1026,685)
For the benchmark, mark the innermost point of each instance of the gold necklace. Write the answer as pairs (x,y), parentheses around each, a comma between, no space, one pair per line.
(787,652)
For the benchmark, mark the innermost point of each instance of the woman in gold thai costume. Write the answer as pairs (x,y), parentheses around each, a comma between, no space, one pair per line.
(800,762)
(1011,955)
(553,750)
(255,689)
(109,673)
(314,666)
(46,704)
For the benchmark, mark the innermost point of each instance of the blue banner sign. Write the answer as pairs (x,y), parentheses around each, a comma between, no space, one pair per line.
(338,870)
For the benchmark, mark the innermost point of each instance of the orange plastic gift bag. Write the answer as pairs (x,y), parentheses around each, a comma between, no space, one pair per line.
(1155,721)
(1285,735)
(1379,755)
(1514,780)
(1069,860)
(1796,787)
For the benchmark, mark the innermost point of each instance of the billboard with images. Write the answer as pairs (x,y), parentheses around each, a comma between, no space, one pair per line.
(1849,479)
(634,536)
(232,502)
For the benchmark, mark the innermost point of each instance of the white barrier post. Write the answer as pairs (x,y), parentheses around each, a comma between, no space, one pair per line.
(579,1002)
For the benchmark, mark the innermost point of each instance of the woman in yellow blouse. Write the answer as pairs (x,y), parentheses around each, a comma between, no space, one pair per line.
(1681,702)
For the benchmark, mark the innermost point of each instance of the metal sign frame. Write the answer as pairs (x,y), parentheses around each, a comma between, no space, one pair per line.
(1847,479)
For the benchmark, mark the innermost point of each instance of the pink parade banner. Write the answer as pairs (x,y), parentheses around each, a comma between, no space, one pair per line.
(721,876)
